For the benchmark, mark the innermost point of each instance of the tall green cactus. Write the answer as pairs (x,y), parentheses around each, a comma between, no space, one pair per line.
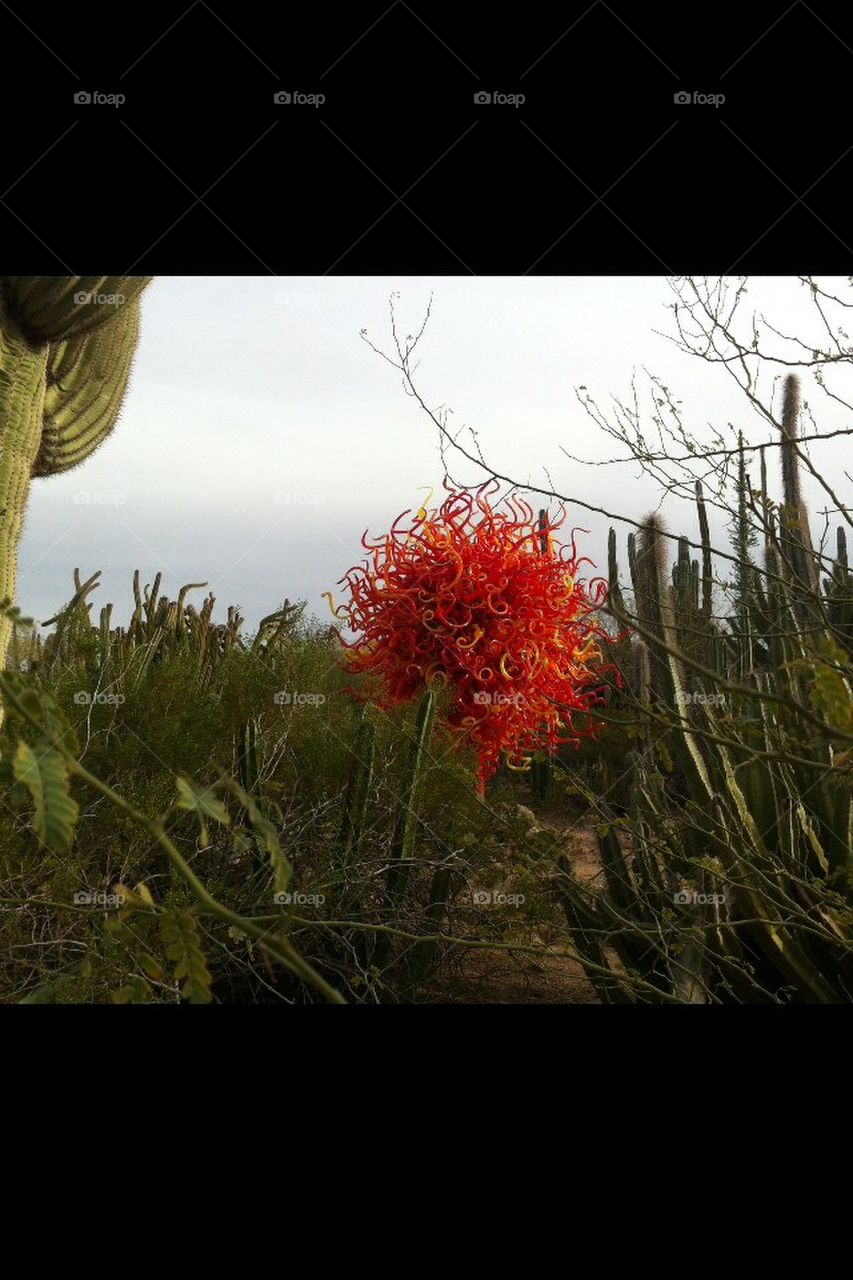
(66,345)
(795,535)
(406,825)
(707,564)
(358,791)
(648,562)
(743,539)
(614,591)
(839,591)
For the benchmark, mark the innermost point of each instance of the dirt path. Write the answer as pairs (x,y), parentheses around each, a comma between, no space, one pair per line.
(501,977)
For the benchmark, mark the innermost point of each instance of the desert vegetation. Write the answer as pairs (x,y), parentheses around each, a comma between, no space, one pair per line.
(488,773)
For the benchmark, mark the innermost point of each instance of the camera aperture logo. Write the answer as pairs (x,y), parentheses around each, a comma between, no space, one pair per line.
(684,98)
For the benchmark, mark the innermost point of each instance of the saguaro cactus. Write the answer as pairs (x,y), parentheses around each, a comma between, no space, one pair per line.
(66,345)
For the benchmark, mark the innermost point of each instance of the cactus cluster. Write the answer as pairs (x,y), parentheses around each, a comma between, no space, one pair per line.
(66,347)
(157,624)
(731,877)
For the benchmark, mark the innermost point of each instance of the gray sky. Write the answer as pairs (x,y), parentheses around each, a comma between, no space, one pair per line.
(261,435)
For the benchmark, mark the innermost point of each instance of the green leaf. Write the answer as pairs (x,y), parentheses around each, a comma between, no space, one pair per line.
(46,778)
(16,794)
(41,706)
(57,728)
(52,992)
(242,844)
(136,991)
(116,927)
(201,801)
(830,694)
(151,966)
(180,934)
(267,836)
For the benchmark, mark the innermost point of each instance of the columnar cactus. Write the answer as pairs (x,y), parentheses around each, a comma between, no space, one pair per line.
(66,345)
(795,534)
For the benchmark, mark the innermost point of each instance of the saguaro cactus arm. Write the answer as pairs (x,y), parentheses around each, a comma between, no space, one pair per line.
(66,345)
(86,380)
(54,308)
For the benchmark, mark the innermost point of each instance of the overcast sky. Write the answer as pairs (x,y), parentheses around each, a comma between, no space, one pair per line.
(261,435)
